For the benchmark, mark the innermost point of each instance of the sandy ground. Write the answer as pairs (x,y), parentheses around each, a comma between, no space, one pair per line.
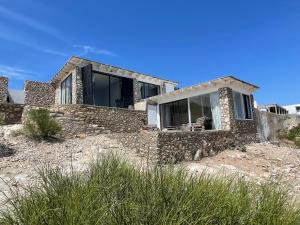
(20,158)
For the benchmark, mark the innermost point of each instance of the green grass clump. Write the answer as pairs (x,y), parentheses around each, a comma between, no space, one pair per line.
(114,192)
(294,135)
(39,125)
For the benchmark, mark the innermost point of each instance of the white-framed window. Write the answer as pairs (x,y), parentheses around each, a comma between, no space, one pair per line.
(242,106)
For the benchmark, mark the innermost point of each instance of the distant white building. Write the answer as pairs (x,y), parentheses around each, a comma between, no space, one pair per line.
(293,109)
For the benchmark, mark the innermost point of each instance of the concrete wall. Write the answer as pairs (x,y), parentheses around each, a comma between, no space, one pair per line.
(12,112)
(3,89)
(39,93)
(271,126)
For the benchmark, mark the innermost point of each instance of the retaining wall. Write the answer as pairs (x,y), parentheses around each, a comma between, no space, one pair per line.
(89,120)
(12,112)
(271,126)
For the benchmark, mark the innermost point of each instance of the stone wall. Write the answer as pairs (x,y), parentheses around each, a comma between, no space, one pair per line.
(143,143)
(39,93)
(271,126)
(89,120)
(3,89)
(244,130)
(187,146)
(12,112)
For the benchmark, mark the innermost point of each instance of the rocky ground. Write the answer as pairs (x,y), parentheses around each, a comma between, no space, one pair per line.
(20,158)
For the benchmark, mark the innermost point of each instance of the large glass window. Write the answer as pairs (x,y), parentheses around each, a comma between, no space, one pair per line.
(242,105)
(66,90)
(112,91)
(148,90)
(175,114)
(200,107)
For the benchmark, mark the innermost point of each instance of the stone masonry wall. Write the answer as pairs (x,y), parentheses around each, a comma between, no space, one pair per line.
(12,113)
(244,130)
(90,120)
(175,147)
(39,93)
(3,89)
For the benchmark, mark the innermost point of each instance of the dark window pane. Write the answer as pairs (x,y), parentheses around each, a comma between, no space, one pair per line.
(247,107)
(148,90)
(112,91)
(101,89)
(116,92)
(66,91)
(200,106)
(127,92)
(175,114)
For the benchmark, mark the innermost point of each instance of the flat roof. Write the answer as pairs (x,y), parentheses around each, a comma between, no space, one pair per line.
(223,81)
(75,60)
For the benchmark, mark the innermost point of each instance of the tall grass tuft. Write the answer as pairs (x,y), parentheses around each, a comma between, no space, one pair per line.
(114,192)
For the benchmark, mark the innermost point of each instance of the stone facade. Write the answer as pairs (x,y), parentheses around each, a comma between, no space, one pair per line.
(3,89)
(226,107)
(143,143)
(136,91)
(244,130)
(175,147)
(39,93)
(12,112)
(90,120)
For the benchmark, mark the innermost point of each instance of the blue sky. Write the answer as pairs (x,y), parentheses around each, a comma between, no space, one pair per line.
(187,41)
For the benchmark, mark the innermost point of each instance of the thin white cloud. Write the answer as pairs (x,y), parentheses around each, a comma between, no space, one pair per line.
(9,34)
(86,49)
(16,72)
(53,52)
(34,24)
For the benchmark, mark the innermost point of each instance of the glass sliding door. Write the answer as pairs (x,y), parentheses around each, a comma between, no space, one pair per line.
(101,89)
(112,91)
(175,114)
(200,106)
(115,92)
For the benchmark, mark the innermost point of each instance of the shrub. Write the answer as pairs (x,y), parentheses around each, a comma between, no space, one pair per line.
(2,119)
(40,125)
(114,192)
(294,135)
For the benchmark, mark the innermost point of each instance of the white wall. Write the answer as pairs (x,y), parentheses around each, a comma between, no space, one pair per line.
(292,109)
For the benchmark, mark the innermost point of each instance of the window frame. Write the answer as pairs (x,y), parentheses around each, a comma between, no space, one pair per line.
(243,106)
(147,85)
(63,83)
(122,80)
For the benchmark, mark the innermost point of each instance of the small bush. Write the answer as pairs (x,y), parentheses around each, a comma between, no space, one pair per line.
(2,119)
(39,125)
(114,192)
(294,135)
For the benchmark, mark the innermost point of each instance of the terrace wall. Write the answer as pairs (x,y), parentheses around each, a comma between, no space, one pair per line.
(12,112)
(90,120)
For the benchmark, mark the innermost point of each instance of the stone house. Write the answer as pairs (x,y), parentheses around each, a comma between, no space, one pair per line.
(81,81)
(91,97)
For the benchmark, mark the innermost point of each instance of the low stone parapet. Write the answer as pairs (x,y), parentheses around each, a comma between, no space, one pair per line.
(188,146)
(89,120)
(12,112)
